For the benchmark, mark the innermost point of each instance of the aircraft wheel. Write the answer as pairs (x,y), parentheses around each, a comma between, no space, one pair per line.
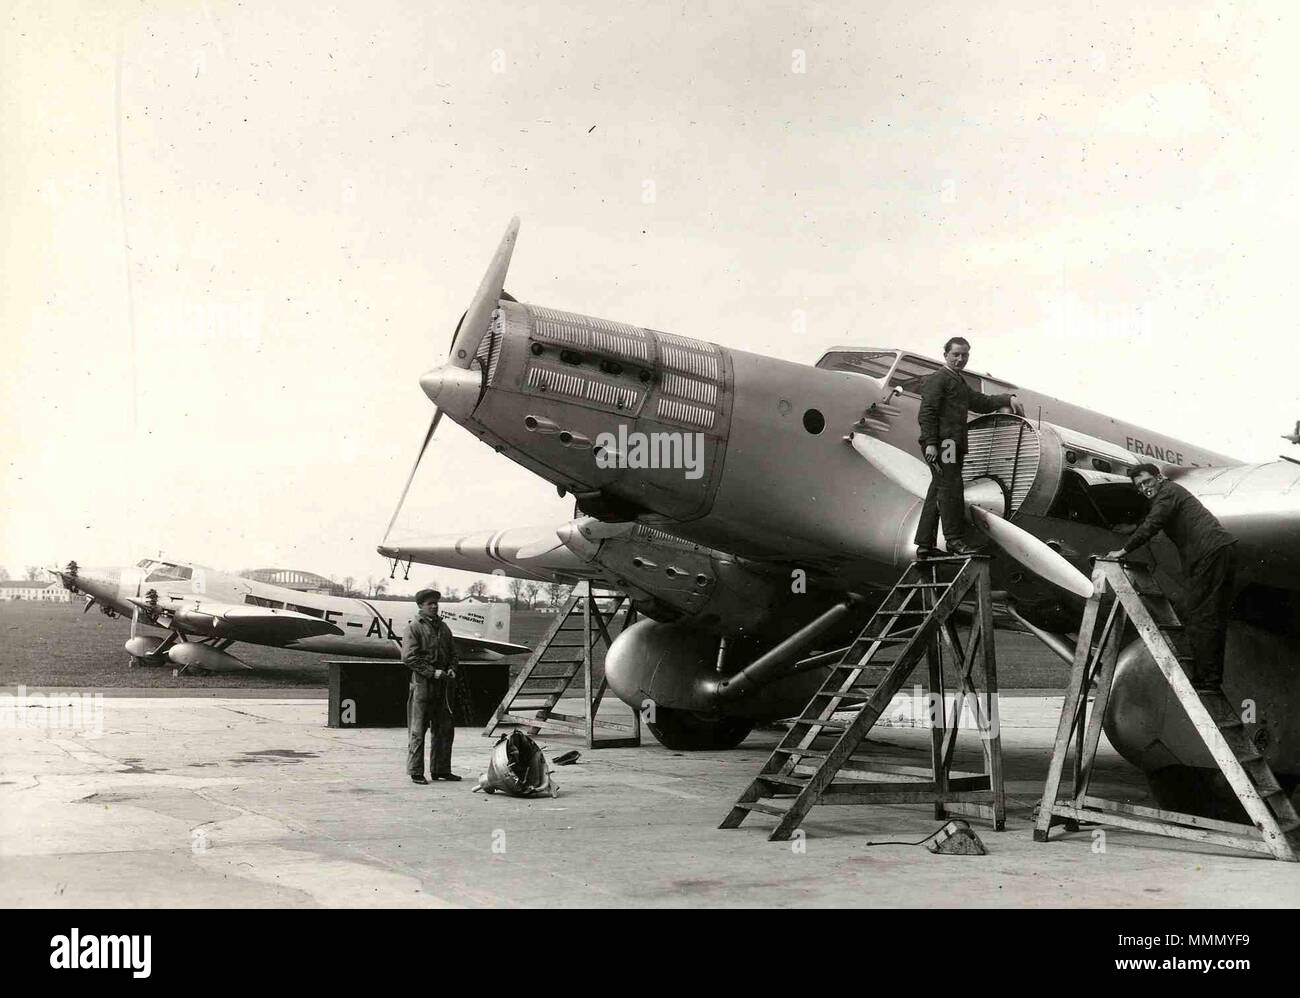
(686,731)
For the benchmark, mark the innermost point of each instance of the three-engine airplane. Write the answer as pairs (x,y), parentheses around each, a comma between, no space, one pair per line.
(205,611)
(712,481)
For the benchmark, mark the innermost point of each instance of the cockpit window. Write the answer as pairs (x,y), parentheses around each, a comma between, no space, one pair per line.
(912,370)
(876,363)
(165,572)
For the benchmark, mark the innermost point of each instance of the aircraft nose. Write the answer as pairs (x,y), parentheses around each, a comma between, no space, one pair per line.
(454,390)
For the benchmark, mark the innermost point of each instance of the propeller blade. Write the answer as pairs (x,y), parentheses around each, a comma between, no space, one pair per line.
(907,472)
(474,324)
(912,475)
(1036,556)
(433,425)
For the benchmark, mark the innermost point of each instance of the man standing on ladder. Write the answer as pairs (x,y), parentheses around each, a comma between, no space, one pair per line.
(1207,553)
(429,651)
(946,401)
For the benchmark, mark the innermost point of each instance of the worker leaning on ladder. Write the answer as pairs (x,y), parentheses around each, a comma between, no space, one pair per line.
(429,651)
(1207,552)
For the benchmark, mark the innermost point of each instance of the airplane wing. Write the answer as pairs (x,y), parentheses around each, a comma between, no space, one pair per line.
(1260,506)
(498,552)
(253,624)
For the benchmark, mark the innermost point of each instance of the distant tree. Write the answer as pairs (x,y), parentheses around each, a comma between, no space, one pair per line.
(4,574)
(531,590)
(378,587)
(33,572)
(451,594)
(477,590)
(516,589)
(349,585)
(557,593)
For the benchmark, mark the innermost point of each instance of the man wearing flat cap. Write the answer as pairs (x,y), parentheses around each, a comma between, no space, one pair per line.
(429,651)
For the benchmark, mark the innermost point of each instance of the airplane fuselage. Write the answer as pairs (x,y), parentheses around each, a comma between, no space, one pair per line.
(366,628)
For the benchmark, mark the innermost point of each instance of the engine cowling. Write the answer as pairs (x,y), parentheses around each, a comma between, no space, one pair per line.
(1149,728)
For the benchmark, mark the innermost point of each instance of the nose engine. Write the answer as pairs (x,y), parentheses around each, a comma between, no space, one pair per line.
(626,418)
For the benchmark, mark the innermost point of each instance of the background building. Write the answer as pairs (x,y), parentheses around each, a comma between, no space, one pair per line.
(34,589)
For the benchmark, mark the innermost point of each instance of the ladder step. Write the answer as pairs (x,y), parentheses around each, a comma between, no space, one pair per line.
(765,808)
(803,753)
(787,780)
(888,639)
(824,725)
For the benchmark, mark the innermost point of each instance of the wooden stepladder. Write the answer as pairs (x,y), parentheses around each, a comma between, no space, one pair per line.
(1128,592)
(563,655)
(816,760)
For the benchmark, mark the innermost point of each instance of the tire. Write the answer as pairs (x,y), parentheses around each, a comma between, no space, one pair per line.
(685,731)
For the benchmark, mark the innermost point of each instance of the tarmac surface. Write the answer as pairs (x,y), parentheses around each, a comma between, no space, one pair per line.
(245,802)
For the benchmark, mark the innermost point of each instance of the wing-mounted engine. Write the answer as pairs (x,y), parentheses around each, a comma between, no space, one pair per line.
(1067,488)
(1048,470)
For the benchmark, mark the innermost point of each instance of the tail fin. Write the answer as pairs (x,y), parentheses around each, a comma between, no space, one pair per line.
(470,618)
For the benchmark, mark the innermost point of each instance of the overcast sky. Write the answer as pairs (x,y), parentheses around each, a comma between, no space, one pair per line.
(235,234)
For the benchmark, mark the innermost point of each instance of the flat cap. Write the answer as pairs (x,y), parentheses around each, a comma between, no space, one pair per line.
(427,594)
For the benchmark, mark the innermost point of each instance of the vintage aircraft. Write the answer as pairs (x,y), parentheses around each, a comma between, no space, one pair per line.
(204,612)
(751,507)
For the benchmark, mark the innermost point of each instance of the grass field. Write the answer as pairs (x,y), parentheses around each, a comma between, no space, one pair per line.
(54,644)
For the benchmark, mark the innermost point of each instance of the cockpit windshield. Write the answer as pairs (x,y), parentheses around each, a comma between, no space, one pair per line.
(876,363)
(162,571)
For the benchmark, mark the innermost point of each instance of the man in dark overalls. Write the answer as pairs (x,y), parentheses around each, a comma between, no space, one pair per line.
(1207,552)
(946,401)
(429,651)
